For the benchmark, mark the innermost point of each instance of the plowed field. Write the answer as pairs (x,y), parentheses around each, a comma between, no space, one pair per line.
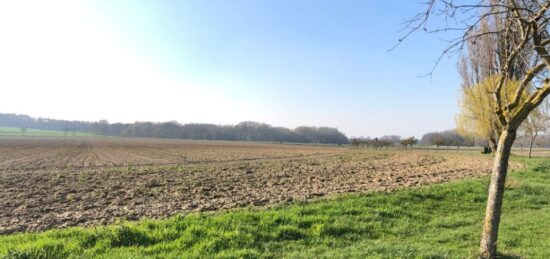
(55,182)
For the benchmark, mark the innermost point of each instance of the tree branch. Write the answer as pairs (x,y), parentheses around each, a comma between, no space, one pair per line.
(526,81)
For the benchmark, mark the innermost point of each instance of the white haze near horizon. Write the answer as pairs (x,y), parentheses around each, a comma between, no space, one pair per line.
(77,71)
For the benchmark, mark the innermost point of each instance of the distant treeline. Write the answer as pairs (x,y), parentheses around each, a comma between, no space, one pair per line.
(438,138)
(449,138)
(247,131)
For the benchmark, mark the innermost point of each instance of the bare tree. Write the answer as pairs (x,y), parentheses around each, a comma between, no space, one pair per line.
(411,141)
(355,142)
(520,32)
(476,67)
(404,143)
(536,123)
(386,143)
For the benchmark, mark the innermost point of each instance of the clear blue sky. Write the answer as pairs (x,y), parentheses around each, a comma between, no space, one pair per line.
(286,63)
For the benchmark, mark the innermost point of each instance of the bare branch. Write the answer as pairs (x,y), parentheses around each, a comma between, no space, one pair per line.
(526,81)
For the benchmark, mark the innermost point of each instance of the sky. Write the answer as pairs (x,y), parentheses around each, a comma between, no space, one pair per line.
(282,62)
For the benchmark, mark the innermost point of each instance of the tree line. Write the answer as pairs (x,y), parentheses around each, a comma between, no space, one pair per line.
(384,142)
(436,138)
(244,131)
(450,138)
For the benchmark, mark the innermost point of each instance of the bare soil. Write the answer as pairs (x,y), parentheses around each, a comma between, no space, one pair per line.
(56,183)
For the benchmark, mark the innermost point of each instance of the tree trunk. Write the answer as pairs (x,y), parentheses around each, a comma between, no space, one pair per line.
(531,144)
(493,144)
(488,246)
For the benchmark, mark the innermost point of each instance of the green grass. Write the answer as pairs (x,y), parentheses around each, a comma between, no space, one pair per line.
(14,131)
(440,221)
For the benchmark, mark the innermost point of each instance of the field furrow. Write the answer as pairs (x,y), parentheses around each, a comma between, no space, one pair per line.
(56,183)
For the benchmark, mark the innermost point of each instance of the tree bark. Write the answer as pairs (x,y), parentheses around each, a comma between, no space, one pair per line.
(488,246)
